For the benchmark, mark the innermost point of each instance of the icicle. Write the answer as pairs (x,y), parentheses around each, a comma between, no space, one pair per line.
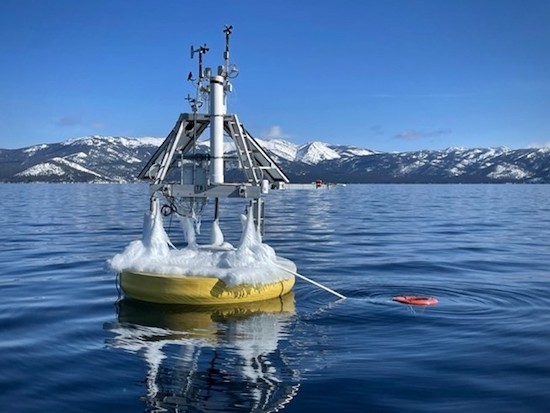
(154,238)
(189,231)
(243,221)
(216,238)
(250,236)
(196,219)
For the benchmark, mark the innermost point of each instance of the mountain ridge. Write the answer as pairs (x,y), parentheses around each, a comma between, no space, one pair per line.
(120,159)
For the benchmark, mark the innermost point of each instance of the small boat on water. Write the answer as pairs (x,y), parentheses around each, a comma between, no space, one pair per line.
(182,181)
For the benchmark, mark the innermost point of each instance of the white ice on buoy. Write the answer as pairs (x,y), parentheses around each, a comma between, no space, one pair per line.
(189,231)
(154,242)
(252,262)
(216,238)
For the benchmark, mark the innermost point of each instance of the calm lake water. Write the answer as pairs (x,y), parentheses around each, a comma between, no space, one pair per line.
(70,343)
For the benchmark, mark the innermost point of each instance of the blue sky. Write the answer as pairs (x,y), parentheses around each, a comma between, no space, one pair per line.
(386,75)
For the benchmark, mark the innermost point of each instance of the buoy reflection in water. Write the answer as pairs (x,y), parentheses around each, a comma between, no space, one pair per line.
(212,359)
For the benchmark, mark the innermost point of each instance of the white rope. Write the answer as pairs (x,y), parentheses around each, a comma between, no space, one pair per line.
(303,277)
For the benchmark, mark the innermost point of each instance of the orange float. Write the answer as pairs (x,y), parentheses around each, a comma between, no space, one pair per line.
(415,300)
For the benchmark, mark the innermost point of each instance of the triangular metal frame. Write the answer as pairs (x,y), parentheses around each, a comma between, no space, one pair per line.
(255,161)
(182,138)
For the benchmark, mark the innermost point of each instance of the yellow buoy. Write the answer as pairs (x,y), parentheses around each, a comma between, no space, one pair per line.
(200,290)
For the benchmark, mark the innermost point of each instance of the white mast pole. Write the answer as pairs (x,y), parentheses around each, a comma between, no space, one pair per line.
(217,112)
(218,109)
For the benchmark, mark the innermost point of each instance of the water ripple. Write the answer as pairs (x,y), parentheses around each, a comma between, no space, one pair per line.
(481,250)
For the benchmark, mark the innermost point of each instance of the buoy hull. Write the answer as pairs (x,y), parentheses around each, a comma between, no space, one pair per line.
(198,290)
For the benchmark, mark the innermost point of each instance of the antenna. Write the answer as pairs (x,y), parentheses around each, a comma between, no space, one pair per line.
(196,102)
(201,50)
(227,30)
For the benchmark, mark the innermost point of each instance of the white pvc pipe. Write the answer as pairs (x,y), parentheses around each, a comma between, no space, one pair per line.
(309,280)
(217,111)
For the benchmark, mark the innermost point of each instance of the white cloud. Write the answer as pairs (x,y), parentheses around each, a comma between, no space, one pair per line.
(376,130)
(536,145)
(411,134)
(78,122)
(408,135)
(68,121)
(275,132)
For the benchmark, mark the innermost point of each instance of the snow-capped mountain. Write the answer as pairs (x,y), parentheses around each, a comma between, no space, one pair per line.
(315,152)
(453,165)
(87,159)
(310,153)
(120,159)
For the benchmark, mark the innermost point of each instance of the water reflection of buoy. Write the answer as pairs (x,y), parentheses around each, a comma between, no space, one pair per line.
(415,300)
(211,358)
(194,321)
